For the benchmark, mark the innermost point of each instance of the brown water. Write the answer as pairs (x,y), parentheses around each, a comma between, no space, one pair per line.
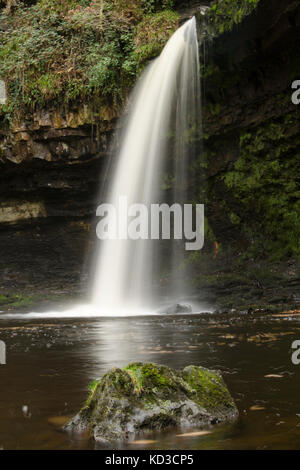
(51,362)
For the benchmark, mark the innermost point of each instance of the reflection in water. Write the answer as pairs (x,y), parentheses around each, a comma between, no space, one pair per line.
(51,362)
(120,345)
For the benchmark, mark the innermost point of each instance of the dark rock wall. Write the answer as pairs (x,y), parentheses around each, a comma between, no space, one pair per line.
(52,167)
(252,157)
(248,112)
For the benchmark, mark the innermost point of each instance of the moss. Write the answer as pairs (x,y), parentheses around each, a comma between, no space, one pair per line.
(263,182)
(10,301)
(92,386)
(152,381)
(222,279)
(121,382)
(23,301)
(3,299)
(223,15)
(235,219)
(215,109)
(18,300)
(149,376)
(152,33)
(90,397)
(210,389)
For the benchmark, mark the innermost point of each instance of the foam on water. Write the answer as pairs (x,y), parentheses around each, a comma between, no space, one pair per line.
(89,311)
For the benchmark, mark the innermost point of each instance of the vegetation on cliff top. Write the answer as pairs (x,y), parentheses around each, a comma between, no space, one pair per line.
(55,52)
(225,13)
(61,52)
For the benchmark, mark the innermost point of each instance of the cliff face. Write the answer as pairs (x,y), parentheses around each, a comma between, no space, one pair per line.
(53,161)
(49,180)
(54,158)
(252,155)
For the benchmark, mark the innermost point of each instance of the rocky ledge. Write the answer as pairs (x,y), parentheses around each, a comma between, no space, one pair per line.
(144,397)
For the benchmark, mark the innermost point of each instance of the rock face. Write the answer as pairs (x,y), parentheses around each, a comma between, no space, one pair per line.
(251,157)
(176,308)
(51,171)
(145,397)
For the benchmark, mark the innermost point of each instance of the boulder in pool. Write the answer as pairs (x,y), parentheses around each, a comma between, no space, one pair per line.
(144,397)
(176,309)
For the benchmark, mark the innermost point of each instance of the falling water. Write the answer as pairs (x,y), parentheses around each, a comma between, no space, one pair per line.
(160,128)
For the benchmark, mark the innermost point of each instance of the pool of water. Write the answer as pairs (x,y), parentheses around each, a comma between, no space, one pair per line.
(50,363)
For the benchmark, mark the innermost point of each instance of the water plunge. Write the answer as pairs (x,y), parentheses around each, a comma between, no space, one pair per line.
(159,139)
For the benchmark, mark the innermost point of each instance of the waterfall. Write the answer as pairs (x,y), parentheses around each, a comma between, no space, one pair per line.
(158,138)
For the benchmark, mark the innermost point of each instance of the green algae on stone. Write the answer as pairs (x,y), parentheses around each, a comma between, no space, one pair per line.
(144,397)
(210,389)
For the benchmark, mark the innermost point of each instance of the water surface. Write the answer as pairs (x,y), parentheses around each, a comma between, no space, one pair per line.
(51,362)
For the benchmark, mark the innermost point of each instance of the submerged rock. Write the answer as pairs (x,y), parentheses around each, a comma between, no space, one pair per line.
(145,397)
(176,308)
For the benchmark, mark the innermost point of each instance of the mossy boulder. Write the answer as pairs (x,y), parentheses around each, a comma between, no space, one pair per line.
(144,397)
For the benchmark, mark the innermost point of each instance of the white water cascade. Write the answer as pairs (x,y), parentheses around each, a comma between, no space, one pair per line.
(164,103)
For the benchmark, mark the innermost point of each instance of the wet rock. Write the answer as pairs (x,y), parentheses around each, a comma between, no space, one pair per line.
(295,298)
(15,211)
(145,397)
(220,311)
(176,308)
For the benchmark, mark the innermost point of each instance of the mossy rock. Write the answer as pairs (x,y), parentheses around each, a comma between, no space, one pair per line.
(144,397)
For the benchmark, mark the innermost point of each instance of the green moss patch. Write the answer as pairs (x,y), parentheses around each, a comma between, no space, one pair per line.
(144,397)
(263,182)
